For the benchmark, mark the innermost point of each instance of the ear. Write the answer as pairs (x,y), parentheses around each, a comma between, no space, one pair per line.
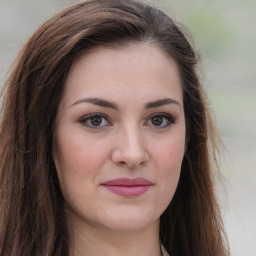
(55,157)
(187,137)
(186,144)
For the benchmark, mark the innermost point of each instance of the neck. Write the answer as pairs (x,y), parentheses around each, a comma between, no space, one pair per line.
(91,241)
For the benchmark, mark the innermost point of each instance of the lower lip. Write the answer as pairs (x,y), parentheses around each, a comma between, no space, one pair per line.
(128,190)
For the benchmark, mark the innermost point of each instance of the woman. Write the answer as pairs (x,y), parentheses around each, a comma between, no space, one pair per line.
(107,145)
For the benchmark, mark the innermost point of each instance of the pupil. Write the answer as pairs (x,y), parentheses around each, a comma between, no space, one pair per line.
(96,121)
(157,121)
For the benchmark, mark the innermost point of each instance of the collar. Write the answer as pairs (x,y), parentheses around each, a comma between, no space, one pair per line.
(164,252)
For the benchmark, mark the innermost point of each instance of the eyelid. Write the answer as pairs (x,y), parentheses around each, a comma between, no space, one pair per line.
(170,118)
(87,117)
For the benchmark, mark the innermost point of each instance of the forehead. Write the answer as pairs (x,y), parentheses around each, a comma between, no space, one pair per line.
(126,53)
(133,69)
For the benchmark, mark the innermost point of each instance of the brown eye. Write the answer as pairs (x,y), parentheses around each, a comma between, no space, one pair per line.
(160,120)
(95,121)
(157,120)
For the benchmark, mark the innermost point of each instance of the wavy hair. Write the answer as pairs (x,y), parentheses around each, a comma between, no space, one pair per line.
(32,210)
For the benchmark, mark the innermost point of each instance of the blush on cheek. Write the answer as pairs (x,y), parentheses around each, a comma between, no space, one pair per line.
(169,161)
(79,163)
(172,151)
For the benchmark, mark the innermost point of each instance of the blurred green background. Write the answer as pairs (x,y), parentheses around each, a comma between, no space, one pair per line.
(224,32)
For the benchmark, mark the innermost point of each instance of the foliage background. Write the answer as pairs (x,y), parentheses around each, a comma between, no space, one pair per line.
(224,32)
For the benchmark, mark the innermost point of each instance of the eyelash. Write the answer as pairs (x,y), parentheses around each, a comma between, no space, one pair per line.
(169,119)
(88,118)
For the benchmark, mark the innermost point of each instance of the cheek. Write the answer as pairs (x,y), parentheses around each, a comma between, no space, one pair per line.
(169,167)
(168,159)
(169,153)
(78,155)
(78,162)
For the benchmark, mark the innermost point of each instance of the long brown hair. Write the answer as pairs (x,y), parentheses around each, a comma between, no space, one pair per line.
(32,209)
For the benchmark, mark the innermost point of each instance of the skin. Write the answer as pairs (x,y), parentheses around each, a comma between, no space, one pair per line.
(130,138)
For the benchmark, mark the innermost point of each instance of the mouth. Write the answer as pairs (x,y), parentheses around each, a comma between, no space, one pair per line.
(128,187)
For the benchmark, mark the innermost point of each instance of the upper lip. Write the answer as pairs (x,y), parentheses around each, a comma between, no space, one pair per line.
(129,182)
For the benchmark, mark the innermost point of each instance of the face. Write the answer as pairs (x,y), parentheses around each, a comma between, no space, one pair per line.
(120,136)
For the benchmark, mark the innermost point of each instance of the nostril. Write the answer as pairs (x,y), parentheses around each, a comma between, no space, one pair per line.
(129,157)
(124,163)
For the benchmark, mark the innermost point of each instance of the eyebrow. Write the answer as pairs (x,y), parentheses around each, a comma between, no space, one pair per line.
(96,101)
(161,102)
(108,104)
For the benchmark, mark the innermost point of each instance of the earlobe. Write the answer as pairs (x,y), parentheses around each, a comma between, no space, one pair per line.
(186,145)
(55,160)
(187,138)
(54,156)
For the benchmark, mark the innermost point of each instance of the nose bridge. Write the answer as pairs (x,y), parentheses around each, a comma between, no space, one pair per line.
(130,147)
(133,138)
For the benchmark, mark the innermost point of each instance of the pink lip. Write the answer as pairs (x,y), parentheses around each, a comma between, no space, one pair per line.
(128,186)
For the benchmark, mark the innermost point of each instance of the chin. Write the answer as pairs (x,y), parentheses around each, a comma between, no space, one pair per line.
(130,221)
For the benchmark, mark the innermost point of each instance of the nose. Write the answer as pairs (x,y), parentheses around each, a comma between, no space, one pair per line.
(130,150)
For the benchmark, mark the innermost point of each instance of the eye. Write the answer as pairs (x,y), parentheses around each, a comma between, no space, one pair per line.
(160,120)
(95,121)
